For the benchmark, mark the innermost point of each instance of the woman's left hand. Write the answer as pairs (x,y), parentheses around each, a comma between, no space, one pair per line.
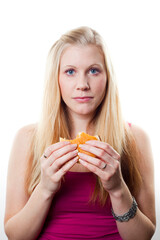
(106,164)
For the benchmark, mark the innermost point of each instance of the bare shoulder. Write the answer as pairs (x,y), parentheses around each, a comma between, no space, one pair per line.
(16,197)
(144,145)
(22,141)
(139,133)
(21,149)
(146,197)
(143,142)
(25,133)
(21,144)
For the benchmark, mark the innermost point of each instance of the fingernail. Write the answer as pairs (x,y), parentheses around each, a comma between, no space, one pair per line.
(74,145)
(79,154)
(81,146)
(81,161)
(75,152)
(75,159)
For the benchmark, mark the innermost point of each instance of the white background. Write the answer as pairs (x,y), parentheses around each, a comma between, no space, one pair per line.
(29,28)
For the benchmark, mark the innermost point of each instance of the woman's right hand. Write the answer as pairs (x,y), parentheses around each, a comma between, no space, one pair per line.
(55,162)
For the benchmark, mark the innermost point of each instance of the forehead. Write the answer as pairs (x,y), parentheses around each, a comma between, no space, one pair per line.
(76,54)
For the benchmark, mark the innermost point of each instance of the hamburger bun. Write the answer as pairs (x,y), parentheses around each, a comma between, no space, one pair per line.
(81,139)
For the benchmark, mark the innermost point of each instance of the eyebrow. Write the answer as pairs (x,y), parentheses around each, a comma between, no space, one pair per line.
(94,64)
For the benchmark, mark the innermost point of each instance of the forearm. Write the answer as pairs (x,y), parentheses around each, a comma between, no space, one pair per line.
(28,223)
(139,227)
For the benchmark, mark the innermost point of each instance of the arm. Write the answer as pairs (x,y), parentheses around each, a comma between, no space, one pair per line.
(142,226)
(29,212)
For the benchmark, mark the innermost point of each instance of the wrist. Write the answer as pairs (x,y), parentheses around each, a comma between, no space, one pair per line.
(119,192)
(121,199)
(45,194)
(127,215)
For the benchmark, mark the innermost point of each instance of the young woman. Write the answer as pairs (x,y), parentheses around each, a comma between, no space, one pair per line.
(52,196)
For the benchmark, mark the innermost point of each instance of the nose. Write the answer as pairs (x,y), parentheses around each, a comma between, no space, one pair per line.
(82,83)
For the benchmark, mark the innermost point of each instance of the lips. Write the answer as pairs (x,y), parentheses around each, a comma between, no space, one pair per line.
(83,99)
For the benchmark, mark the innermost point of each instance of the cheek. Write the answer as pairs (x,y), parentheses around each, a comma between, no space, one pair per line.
(101,86)
(62,85)
(62,88)
(65,88)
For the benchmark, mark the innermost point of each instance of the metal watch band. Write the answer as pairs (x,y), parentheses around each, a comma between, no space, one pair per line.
(127,216)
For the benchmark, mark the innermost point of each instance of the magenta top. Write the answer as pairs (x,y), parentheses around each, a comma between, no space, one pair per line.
(72,217)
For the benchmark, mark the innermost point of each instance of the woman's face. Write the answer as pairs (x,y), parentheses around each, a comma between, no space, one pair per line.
(82,79)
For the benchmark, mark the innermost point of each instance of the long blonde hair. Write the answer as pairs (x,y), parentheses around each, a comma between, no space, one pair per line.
(108,121)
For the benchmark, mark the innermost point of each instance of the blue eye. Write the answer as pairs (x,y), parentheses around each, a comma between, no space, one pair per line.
(70,72)
(94,71)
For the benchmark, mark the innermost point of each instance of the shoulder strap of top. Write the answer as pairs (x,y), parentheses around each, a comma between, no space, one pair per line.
(129,124)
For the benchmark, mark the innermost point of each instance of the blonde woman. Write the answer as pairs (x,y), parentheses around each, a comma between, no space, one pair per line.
(52,196)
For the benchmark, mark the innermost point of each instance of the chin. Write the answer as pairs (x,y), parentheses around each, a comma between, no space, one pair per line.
(83,112)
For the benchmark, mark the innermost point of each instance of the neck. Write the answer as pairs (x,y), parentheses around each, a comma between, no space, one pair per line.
(81,124)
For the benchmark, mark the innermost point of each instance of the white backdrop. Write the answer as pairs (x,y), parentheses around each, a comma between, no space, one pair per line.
(29,28)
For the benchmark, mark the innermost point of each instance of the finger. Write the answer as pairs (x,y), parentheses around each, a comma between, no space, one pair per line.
(101,156)
(62,171)
(100,153)
(96,161)
(58,163)
(102,146)
(59,153)
(54,147)
(99,172)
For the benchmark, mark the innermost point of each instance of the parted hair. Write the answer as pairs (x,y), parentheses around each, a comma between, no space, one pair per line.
(108,121)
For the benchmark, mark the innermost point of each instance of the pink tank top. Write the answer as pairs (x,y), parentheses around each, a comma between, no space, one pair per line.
(72,217)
